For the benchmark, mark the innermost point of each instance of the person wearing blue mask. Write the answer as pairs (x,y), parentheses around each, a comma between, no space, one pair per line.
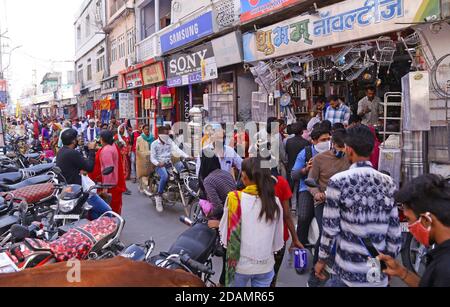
(325,166)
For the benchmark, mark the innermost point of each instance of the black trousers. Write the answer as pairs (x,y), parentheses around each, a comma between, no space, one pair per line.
(305,214)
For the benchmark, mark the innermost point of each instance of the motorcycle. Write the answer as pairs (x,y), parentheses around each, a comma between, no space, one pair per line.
(192,252)
(183,186)
(72,202)
(94,240)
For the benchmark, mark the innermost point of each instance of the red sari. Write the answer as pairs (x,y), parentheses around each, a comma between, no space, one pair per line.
(116,192)
(125,150)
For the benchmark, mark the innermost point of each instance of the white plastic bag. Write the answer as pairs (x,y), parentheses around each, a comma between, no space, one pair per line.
(87,183)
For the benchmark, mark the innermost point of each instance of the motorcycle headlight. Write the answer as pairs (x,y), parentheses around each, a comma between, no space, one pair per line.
(67,206)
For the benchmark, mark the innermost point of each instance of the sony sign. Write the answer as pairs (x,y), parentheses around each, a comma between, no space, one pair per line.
(190,61)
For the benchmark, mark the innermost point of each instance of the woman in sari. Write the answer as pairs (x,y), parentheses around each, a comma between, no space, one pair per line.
(122,139)
(107,156)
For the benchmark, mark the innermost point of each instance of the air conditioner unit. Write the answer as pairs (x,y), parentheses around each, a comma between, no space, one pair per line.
(130,61)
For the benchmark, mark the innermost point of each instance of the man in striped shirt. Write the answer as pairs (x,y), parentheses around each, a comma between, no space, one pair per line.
(360,208)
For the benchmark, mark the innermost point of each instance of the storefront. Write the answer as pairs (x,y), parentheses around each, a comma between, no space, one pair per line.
(340,50)
(142,93)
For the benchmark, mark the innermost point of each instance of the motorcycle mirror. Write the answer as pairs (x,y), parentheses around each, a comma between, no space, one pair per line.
(108,171)
(311,183)
(23,207)
(57,170)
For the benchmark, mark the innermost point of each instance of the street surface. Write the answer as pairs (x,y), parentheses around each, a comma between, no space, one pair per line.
(143,223)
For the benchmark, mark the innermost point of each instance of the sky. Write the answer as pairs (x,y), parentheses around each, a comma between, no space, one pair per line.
(44,30)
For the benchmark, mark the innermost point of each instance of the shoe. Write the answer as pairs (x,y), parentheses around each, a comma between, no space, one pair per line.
(127,192)
(159,204)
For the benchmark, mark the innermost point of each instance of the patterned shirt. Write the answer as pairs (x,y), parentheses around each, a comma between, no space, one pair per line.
(360,204)
(339,115)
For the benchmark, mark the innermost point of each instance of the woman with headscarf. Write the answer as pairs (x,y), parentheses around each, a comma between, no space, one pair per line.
(374,158)
(109,155)
(122,139)
(143,165)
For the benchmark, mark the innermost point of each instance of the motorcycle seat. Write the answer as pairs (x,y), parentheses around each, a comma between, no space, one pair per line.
(34,156)
(40,168)
(26,183)
(7,221)
(32,194)
(198,242)
(11,178)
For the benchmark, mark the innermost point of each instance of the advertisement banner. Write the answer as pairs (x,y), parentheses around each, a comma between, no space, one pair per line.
(153,73)
(336,24)
(228,49)
(189,32)
(126,106)
(251,9)
(133,79)
(195,65)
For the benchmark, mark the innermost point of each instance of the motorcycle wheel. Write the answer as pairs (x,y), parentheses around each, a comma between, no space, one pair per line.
(413,255)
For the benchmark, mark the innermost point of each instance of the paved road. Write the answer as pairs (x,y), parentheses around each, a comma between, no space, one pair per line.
(143,223)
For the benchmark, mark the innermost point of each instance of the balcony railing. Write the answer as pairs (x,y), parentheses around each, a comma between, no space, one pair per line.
(148,48)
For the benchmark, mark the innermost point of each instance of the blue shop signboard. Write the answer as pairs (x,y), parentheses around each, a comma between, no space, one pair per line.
(189,32)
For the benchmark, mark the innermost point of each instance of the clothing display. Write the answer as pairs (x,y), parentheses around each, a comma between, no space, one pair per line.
(166,98)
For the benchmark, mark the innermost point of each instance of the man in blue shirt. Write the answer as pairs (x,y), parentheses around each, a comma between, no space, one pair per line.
(305,202)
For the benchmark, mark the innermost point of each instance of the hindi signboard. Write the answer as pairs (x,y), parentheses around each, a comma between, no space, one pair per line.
(336,24)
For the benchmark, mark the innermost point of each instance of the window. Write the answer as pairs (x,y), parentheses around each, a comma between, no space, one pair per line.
(113,50)
(101,63)
(115,5)
(121,46)
(79,33)
(131,38)
(89,72)
(80,76)
(88,26)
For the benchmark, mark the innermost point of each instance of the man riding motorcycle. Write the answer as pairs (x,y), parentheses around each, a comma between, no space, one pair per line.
(72,163)
(162,151)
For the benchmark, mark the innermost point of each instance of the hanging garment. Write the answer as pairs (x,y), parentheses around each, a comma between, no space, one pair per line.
(166,98)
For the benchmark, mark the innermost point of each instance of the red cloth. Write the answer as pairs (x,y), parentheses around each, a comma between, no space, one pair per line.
(36,129)
(116,192)
(90,114)
(136,135)
(375,157)
(284,193)
(113,105)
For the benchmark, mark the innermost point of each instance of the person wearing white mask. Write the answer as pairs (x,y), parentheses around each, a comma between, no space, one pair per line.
(162,151)
(321,141)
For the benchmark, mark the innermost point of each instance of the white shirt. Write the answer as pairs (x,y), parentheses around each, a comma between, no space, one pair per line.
(231,159)
(259,239)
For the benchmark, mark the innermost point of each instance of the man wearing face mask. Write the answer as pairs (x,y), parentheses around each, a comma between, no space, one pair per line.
(360,212)
(426,202)
(162,151)
(303,164)
(325,166)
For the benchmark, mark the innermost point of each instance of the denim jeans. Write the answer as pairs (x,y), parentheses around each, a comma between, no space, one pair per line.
(163,179)
(256,281)
(99,206)
(133,165)
(164,176)
(335,282)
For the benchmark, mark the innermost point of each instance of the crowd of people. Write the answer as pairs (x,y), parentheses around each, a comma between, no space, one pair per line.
(326,169)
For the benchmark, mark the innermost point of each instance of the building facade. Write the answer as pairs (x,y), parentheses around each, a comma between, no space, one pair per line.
(90,55)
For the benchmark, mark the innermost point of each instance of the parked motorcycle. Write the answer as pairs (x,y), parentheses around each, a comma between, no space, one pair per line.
(72,202)
(183,186)
(192,252)
(94,240)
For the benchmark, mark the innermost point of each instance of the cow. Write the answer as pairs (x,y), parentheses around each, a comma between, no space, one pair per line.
(116,272)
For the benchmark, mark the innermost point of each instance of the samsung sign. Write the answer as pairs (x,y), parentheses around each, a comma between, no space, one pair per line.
(189,32)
